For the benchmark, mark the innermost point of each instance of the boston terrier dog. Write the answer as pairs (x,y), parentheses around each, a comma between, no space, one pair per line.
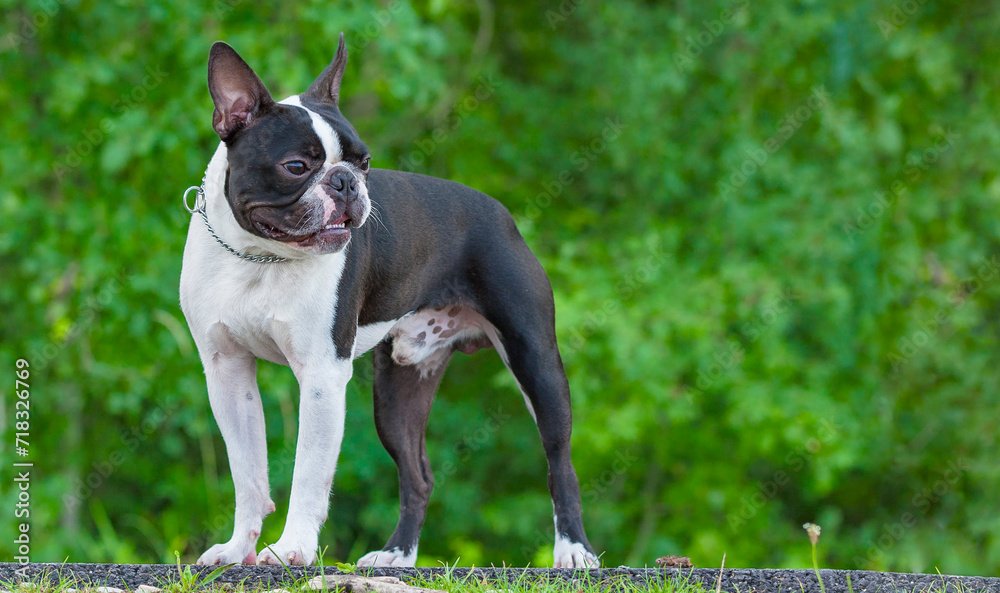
(305,257)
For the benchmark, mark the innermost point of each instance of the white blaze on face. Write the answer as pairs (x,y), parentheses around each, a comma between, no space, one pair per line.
(334,157)
(331,144)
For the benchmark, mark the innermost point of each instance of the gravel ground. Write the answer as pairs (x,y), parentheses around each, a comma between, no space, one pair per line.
(130,576)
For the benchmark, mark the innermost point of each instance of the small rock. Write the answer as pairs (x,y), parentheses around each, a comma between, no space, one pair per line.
(674,562)
(316,583)
(148,589)
(359,583)
(109,590)
(277,591)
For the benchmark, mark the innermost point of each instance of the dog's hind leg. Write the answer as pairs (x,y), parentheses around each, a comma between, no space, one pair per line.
(524,315)
(403,398)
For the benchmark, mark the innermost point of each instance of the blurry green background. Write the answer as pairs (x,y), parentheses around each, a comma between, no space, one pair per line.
(771,229)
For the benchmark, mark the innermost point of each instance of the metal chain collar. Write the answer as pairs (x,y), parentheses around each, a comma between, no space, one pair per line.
(199,208)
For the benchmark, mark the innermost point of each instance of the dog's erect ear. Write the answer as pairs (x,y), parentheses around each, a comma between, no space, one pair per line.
(327,86)
(238,93)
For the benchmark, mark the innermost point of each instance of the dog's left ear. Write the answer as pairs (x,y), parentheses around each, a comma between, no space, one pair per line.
(327,86)
(239,95)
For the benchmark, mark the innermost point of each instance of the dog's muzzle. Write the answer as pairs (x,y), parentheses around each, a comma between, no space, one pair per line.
(342,184)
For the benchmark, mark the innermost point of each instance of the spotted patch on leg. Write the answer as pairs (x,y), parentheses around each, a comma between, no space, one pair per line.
(418,338)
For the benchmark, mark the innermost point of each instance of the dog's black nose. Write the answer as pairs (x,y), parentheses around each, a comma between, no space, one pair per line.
(343,181)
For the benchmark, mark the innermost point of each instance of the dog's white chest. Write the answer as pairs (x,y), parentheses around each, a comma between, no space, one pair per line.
(281,312)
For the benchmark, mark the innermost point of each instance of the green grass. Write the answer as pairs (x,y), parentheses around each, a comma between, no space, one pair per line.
(191,581)
(586,584)
(188,581)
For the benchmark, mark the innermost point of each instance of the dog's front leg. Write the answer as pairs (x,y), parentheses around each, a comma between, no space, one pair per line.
(231,374)
(321,428)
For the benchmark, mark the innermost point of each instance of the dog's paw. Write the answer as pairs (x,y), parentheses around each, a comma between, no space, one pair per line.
(229,553)
(287,553)
(393,557)
(573,555)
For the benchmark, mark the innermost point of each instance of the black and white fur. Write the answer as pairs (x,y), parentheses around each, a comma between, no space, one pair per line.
(412,266)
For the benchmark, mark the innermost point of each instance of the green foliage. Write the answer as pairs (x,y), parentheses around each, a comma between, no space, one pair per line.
(769,226)
(188,581)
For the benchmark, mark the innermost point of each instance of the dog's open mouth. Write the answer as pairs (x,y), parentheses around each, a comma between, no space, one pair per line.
(331,230)
(340,224)
(332,236)
(269,231)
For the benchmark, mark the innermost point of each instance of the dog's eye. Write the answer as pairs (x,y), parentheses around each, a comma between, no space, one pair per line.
(366,163)
(295,167)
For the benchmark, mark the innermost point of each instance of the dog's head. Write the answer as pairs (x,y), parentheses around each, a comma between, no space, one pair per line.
(298,171)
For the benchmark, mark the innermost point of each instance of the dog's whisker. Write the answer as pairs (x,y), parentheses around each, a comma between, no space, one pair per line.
(377,215)
(304,222)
